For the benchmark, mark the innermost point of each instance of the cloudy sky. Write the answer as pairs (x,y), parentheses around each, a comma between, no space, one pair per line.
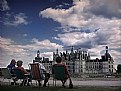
(30,25)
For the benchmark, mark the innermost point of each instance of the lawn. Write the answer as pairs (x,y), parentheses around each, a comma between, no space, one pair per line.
(51,88)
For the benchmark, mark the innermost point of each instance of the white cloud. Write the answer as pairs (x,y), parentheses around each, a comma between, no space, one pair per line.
(20,19)
(77,16)
(9,49)
(4,5)
(96,51)
(48,55)
(15,20)
(45,44)
(95,41)
(71,17)
(105,8)
(75,38)
(11,18)
(91,15)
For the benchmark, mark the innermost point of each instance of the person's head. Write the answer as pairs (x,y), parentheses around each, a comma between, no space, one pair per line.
(13,62)
(19,63)
(58,59)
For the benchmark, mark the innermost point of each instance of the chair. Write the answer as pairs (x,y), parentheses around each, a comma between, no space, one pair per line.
(20,76)
(35,72)
(6,74)
(59,74)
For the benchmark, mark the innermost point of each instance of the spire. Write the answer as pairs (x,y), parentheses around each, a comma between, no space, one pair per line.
(57,51)
(106,49)
(72,50)
(107,55)
(38,53)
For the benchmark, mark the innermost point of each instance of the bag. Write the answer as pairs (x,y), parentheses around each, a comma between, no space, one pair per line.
(70,84)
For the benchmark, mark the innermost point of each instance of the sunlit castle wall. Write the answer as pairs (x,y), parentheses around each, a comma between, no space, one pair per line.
(101,66)
(75,60)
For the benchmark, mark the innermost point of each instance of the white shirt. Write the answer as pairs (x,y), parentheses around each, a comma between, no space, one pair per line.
(42,69)
(41,66)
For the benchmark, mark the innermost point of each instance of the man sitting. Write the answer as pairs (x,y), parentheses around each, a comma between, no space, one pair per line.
(59,63)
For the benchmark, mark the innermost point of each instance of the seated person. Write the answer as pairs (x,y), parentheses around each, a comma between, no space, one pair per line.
(59,63)
(19,66)
(45,75)
(11,67)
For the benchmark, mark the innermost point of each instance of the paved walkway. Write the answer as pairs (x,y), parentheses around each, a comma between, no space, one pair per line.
(93,82)
(87,82)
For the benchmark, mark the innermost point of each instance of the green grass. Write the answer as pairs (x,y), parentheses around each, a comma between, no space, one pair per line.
(51,88)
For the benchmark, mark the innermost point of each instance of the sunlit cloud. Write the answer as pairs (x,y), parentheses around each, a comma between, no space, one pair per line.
(90,24)
(27,52)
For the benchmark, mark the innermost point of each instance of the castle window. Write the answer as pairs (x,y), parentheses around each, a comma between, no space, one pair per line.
(109,66)
(109,70)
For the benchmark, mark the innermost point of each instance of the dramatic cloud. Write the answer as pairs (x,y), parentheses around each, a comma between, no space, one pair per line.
(69,17)
(105,8)
(92,24)
(80,15)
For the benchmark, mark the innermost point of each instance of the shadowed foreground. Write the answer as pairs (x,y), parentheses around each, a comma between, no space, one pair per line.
(58,88)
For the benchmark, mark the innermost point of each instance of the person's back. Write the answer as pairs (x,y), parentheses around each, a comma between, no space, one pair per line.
(44,74)
(65,69)
(42,69)
(59,63)
(19,66)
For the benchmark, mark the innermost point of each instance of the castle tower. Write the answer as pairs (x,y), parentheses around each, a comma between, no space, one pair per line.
(72,50)
(37,58)
(106,55)
(57,51)
(38,53)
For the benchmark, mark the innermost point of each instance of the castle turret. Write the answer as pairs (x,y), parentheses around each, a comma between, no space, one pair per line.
(57,51)
(38,53)
(107,55)
(37,58)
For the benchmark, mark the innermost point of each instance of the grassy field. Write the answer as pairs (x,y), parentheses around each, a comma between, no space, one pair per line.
(51,88)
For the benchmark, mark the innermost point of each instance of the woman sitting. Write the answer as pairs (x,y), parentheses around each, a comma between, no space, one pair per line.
(28,76)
